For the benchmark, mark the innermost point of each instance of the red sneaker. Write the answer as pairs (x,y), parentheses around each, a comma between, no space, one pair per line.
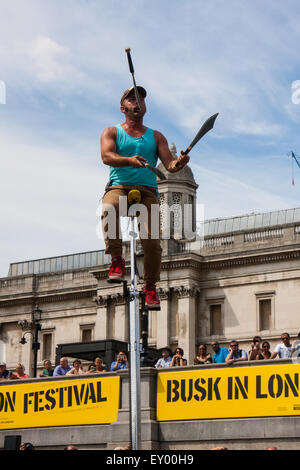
(151,299)
(117,269)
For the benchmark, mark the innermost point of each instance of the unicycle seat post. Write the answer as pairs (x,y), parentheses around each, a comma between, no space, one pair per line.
(134,330)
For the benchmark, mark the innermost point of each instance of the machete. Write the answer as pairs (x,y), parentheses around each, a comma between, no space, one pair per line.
(206,127)
(156,171)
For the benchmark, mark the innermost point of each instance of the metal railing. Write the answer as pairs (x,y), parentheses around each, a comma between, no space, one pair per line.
(59,263)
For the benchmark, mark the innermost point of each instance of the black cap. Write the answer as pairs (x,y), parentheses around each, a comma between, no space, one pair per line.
(127,92)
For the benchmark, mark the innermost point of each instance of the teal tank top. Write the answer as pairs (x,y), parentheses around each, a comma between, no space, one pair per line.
(129,146)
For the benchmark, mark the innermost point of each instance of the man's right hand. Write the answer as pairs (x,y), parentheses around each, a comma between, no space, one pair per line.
(137,161)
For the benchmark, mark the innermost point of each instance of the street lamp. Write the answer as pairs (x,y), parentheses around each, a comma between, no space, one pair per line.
(36,318)
(32,327)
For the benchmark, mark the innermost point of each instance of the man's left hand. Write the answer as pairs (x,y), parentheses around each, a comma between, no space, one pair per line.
(180,162)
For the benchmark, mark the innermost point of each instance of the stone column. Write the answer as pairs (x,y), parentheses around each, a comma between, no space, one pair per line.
(121,317)
(101,327)
(163,319)
(187,320)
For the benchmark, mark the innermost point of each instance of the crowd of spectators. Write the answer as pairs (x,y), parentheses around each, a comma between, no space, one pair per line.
(6,374)
(259,350)
(63,369)
(29,446)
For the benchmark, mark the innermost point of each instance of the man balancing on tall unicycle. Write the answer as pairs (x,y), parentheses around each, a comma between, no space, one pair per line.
(128,149)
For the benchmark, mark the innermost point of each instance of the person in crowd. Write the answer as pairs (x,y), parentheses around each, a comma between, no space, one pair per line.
(165,360)
(284,349)
(77,368)
(203,356)
(26,446)
(98,366)
(70,448)
(220,354)
(265,351)
(4,373)
(120,363)
(62,368)
(20,372)
(255,348)
(48,369)
(178,360)
(296,347)
(236,354)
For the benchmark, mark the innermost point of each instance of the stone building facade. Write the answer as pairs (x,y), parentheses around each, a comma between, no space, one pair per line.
(241,279)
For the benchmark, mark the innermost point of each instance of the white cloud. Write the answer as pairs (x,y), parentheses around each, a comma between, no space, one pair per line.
(257,128)
(227,59)
(52,203)
(195,59)
(52,61)
(230,196)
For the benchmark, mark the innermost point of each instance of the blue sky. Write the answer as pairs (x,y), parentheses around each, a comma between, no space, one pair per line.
(64,67)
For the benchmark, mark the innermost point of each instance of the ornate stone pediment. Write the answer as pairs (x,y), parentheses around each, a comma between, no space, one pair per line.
(164,293)
(101,300)
(187,291)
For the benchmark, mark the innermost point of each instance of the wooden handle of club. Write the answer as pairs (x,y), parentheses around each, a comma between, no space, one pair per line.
(183,153)
(127,50)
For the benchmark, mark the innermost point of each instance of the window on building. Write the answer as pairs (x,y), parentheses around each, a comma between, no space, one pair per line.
(47,346)
(265,314)
(86,335)
(1,350)
(176,215)
(152,324)
(216,323)
(174,319)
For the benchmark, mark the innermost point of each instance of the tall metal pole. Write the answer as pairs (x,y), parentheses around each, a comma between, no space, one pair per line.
(135,378)
(145,361)
(36,326)
(35,346)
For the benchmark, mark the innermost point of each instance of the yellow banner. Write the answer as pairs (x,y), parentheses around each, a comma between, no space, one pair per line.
(271,390)
(59,402)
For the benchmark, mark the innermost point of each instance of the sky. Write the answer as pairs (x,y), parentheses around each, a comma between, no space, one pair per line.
(64,68)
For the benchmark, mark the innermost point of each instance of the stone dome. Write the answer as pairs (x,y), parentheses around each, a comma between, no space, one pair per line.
(173,150)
